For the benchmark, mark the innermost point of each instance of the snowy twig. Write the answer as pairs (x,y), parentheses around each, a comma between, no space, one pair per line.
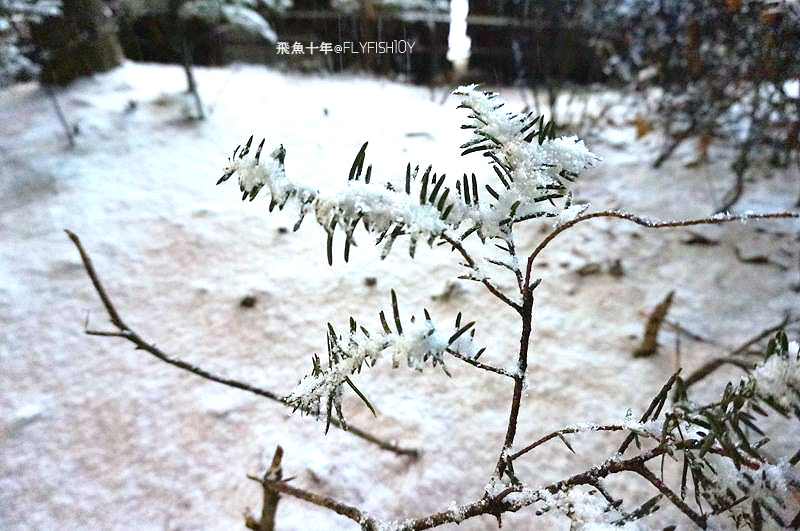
(126,332)
(479,365)
(353,513)
(566,431)
(494,290)
(650,224)
(511,499)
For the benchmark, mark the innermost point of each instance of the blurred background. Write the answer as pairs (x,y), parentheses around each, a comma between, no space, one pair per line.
(704,71)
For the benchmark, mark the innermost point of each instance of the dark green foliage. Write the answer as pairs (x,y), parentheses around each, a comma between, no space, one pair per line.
(727,429)
(351,347)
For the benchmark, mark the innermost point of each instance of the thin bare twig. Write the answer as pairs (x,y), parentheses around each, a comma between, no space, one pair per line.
(682,330)
(712,365)
(565,431)
(503,503)
(353,513)
(767,332)
(69,131)
(125,332)
(676,500)
(479,365)
(648,223)
(494,290)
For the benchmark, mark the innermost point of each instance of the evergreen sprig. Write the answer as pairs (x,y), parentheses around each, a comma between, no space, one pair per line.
(720,443)
(419,344)
(534,167)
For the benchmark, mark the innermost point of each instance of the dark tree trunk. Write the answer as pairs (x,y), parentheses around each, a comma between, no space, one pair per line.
(81,42)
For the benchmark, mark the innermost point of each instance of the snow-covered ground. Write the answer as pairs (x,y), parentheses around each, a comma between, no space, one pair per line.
(96,435)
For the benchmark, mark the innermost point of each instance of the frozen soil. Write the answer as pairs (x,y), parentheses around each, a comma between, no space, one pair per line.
(96,435)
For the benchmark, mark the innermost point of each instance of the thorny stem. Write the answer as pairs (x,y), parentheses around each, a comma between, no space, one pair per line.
(125,332)
(271,498)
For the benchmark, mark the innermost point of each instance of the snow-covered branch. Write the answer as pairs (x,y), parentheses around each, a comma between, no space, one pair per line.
(418,344)
(533,167)
(534,170)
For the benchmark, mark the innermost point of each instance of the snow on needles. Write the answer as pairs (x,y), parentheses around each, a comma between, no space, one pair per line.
(419,345)
(534,169)
(533,166)
(379,207)
(778,377)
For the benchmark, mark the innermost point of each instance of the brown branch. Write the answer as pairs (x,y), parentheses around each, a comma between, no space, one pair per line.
(129,334)
(648,223)
(712,365)
(353,513)
(494,290)
(271,498)
(676,500)
(565,431)
(526,312)
(479,365)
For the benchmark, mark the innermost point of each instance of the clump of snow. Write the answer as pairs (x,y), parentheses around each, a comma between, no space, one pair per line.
(587,509)
(33,9)
(758,481)
(221,403)
(14,48)
(534,172)
(778,377)
(241,14)
(570,213)
(27,414)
